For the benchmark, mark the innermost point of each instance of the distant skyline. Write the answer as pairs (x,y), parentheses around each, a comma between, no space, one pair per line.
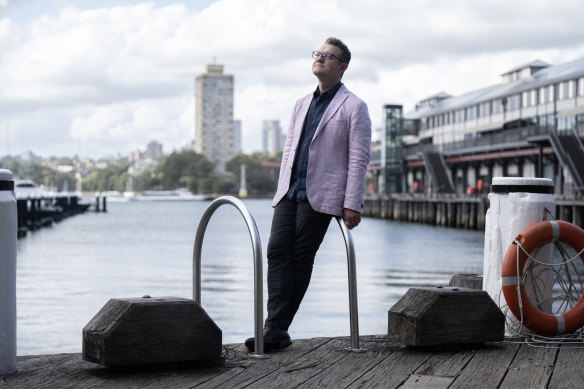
(103,77)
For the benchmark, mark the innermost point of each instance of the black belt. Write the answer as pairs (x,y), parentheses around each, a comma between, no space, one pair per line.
(6,185)
(546,189)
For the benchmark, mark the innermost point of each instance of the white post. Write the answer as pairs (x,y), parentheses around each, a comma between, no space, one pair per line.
(8,234)
(516,203)
(242,188)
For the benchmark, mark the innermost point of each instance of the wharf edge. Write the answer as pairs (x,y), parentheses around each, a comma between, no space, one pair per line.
(466,212)
(325,363)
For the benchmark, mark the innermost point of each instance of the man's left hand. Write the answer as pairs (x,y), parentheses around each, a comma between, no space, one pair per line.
(352,218)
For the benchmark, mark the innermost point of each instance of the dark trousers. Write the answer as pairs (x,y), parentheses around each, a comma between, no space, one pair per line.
(296,234)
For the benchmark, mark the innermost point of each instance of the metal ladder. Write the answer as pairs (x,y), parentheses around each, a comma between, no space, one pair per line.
(258,272)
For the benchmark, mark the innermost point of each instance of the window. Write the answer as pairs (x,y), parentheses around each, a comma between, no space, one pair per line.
(471,112)
(581,86)
(568,90)
(552,94)
(484,110)
(497,108)
(513,102)
(529,98)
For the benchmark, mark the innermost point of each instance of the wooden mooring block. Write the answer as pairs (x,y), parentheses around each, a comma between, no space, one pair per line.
(445,315)
(150,331)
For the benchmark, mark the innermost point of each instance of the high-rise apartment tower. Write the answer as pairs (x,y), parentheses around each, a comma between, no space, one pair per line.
(214,116)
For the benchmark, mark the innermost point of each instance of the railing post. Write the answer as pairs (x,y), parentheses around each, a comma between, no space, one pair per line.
(352,270)
(8,236)
(257,253)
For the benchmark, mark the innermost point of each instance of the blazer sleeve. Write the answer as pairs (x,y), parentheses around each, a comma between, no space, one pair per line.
(359,154)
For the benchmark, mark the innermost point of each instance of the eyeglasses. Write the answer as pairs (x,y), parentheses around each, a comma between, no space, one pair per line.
(317,54)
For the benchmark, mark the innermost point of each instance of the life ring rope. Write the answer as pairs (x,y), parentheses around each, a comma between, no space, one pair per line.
(527,242)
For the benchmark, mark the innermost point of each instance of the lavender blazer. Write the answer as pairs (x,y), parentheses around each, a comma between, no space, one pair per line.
(338,156)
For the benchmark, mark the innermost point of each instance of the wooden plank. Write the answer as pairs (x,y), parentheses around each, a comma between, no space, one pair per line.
(301,370)
(322,362)
(569,369)
(487,368)
(471,281)
(531,368)
(36,370)
(393,371)
(353,366)
(236,358)
(305,350)
(446,363)
(427,382)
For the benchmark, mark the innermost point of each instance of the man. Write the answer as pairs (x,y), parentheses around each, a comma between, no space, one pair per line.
(322,175)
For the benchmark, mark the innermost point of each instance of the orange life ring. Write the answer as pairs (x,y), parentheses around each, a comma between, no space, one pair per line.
(534,236)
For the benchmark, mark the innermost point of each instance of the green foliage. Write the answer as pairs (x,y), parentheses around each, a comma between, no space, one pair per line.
(185,169)
(42,175)
(259,181)
(113,177)
(179,170)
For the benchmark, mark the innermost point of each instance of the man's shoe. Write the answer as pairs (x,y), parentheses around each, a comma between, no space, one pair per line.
(274,339)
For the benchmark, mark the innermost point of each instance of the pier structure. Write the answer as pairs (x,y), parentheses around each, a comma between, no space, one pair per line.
(529,125)
(451,210)
(39,210)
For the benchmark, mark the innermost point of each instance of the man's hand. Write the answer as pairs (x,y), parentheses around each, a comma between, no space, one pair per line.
(352,218)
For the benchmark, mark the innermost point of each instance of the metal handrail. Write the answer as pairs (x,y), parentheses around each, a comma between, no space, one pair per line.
(352,273)
(257,253)
(258,273)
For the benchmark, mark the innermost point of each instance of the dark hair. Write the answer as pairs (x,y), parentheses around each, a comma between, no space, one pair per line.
(345,53)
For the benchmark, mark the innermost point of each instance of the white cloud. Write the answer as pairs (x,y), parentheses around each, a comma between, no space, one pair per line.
(119,76)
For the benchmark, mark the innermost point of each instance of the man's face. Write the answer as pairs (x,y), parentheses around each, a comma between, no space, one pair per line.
(329,69)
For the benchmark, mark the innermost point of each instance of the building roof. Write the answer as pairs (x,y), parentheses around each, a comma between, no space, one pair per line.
(545,76)
(533,64)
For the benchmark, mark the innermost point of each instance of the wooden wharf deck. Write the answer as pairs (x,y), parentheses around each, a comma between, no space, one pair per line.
(325,363)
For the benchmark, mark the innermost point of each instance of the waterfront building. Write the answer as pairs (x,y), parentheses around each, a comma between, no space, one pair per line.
(214,116)
(272,137)
(529,125)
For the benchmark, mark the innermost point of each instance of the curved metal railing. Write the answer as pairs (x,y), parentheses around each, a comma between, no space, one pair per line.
(258,273)
(257,254)
(352,270)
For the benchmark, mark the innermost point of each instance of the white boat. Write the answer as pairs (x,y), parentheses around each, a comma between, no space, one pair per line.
(28,189)
(170,195)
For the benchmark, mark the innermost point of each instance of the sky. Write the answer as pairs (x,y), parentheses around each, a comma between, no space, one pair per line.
(100,78)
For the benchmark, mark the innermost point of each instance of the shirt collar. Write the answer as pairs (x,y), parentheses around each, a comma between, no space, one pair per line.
(329,93)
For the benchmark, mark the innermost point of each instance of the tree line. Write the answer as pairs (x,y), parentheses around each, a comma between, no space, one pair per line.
(184,169)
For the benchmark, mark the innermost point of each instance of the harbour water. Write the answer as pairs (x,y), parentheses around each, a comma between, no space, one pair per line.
(67,272)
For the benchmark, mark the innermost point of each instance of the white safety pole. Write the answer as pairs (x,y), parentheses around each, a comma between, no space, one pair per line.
(516,203)
(8,236)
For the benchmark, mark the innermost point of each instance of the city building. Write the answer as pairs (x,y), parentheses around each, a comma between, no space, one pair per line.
(529,125)
(272,137)
(153,150)
(214,116)
(237,136)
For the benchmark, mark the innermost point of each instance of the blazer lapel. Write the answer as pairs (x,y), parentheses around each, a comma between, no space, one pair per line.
(299,125)
(337,101)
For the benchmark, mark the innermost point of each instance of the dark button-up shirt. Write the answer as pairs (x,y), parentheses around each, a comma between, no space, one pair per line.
(318,106)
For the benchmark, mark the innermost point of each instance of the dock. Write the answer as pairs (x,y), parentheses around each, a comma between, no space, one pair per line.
(326,363)
(456,211)
(40,210)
